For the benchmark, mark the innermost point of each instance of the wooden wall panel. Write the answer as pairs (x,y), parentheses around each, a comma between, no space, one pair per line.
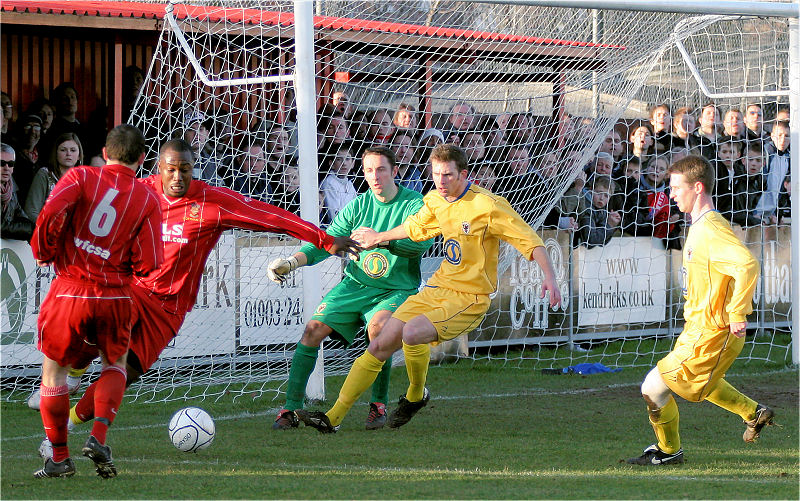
(34,60)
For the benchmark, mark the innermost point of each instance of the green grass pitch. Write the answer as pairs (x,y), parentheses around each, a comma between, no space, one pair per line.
(489,432)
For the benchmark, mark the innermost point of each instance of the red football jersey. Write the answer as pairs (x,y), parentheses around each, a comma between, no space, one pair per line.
(99,225)
(192,226)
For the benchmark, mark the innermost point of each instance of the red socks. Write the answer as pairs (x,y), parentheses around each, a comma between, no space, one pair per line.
(107,399)
(85,406)
(54,407)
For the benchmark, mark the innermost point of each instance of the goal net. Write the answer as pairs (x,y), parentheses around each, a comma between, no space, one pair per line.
(572,115)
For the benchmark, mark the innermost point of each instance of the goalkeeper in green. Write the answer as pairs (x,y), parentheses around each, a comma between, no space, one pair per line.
(372,289)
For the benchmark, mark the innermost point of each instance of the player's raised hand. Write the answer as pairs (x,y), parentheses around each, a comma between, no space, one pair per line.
(344,246)
(549,284)
(367,237)
(279,269)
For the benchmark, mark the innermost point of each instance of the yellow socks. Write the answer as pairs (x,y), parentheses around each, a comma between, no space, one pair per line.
(362,374)
(418,357)
(729,398)
(665,423)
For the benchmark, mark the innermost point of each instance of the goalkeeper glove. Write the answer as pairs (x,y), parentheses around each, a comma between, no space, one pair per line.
(279,269)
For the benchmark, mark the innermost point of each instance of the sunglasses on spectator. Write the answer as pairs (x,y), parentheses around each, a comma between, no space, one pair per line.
(7,163)
(32,127)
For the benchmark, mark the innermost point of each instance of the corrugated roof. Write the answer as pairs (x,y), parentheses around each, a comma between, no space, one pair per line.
(155,11)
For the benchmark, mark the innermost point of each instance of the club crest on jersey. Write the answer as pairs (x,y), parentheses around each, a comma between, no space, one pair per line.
(194,212)
(688,253)
(452,251)
(465,227)
(321,308)
(375,264)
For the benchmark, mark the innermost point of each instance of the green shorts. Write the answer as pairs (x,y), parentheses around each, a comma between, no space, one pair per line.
(350,306)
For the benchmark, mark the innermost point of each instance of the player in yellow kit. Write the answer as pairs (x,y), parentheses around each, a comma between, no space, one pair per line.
(719,277)
(472,221)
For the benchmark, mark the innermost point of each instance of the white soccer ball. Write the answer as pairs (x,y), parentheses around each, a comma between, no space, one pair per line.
(191,429)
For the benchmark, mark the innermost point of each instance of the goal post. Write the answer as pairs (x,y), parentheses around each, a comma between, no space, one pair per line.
(539,93)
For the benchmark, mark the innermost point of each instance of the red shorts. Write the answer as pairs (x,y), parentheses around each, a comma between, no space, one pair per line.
(79,320)
(153,329)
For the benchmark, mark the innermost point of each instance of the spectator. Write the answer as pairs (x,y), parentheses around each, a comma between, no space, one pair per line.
(569,201)
(196,132)
(754,121)
(782,115)
(502,122)
(677,153)
(744,213)
(325,217)
(407,173)
(15,223)
(516,176)
(65,98)
(286,192)
(337,188)
(661,121)
(494,138)
(405,118)
(785,201)
(485,176)
(683,127)
(518,131)
(359,126)
(603,165)
(46,111)
(612,144)
(221,152)
(8,113)
(649,212)
(96,160)
(641,139)
(548,167)
(777,170)
(709,122)
(707,134)
(341,101)
(381,128)
(596,223)
(733,124)
(428,141)
(252,179)
(132,82)
(67,152)
(628,178)
(474,146)
(729,173)
(461,118)
(334,131)
(29,132)
(278,149)
(431,138)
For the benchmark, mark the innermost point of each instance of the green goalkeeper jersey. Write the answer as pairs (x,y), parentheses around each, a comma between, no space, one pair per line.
(395,267)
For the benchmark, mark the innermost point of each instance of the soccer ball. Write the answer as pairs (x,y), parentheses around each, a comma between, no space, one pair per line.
(191,429)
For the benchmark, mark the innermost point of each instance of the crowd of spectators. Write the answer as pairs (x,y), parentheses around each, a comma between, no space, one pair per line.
(623,189)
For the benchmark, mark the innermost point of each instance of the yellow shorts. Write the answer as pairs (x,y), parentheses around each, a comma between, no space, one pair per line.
(699,360)
(452,313)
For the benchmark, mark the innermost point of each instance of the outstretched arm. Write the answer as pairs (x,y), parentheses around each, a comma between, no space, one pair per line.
(369,238)
(549,284)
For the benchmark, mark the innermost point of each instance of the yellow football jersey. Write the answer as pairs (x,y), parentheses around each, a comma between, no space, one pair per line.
(719,274)
(471,227)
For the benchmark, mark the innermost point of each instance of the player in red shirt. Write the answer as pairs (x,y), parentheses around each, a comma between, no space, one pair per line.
(194,216)
(98,229)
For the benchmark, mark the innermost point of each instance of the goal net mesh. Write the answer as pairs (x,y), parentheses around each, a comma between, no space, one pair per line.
(554,108)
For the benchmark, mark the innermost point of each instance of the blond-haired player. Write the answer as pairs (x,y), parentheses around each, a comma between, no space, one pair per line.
(471,221)
(719,278)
